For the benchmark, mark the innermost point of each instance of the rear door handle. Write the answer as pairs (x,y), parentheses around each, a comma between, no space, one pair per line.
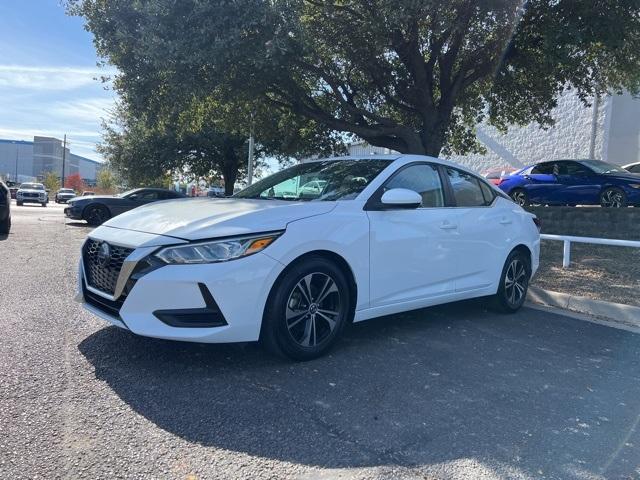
(448,226)
(506,221)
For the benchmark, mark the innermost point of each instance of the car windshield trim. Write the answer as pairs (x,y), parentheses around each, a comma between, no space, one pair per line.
(323,180)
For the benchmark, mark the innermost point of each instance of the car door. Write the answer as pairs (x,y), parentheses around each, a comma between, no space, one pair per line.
(542,183)
(579,185)
(410,249)
(485,226)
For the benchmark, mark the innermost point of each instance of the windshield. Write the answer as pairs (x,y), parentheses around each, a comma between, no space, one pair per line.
(127,193)
(324,180)
(66,190)
(32,186)
(601,167)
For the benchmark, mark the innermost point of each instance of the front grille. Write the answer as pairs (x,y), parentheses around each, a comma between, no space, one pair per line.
(30,195)
(101,274)
(110,307)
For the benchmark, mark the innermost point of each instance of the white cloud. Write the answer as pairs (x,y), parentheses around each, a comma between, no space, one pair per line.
(49,78)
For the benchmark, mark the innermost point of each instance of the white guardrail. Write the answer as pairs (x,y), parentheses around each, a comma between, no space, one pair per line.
(567,239)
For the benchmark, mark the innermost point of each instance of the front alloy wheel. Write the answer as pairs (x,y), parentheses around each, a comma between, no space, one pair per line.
(612,198)
(307,310)
(312,309)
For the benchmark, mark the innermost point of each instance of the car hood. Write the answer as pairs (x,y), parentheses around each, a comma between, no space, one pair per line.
(627,177)
(198,218)
(94,197)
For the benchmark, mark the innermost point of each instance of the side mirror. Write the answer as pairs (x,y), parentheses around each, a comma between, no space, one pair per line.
(401,198)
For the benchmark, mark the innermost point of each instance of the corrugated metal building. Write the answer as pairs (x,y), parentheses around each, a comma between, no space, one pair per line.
(23,161)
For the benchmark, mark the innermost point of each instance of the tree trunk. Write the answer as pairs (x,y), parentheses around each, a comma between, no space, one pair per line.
(229,168)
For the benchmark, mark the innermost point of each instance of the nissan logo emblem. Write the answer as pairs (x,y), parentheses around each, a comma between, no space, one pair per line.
(104,254)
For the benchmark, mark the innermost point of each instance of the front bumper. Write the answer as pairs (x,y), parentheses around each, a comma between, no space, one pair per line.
(31,200)
(73,212)
(238,288)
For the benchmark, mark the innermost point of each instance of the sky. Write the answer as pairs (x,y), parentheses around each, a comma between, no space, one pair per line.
(48,70)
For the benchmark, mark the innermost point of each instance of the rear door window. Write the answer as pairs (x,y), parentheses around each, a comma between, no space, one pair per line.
(466,188)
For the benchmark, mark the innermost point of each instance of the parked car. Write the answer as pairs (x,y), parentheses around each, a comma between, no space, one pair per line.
(97,209)
(633,167)
(5,208)
(64,195)
(216,192)
(88,193)
(386,235)
(13,188)
(573,182)
(32,193)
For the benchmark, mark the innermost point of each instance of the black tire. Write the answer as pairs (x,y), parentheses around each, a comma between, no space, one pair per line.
(297,323)
(520,197)
(613,197)
(96,215)
(19,204)
(5,226)
(44,204)
(512,295)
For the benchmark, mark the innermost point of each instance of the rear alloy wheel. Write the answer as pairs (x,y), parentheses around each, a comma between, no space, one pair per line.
(613,197)
(514,282)
(520,197)
(307,310)
(96,215)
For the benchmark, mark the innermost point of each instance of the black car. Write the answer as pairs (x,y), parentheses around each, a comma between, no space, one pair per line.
(97,209)
(5,209)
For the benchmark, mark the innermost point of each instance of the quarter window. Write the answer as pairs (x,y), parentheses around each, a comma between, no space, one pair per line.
(466,189)
(423,179)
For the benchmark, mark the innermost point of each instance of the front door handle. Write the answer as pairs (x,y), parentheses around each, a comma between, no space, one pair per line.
(506,221)
(448,226)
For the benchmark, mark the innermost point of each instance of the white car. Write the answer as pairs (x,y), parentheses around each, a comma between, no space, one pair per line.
(633,167)
(387,235)
(32,193)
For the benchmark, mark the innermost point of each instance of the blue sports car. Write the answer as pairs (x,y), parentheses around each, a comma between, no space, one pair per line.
(573,182)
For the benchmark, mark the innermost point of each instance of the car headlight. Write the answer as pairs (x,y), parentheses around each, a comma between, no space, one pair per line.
(217,250)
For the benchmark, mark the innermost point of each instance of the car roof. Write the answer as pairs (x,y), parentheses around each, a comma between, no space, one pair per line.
(400,159)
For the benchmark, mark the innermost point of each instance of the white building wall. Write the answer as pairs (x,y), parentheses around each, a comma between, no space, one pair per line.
(568,138)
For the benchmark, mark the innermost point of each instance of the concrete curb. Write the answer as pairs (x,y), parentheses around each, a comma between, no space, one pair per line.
(614,312)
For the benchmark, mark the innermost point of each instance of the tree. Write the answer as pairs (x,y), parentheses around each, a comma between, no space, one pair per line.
(412,75)
(106,180)
(75,181)
(161,128)
(51,182)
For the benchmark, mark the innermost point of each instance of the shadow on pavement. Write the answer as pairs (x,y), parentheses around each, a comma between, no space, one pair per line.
(534,393)
(78,224)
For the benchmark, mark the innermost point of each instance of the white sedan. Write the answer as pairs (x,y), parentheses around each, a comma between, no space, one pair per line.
(384,235)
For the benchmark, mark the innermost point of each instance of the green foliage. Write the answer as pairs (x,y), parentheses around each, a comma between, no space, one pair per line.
(166,127)
(411,75)
(51,182)
(106,180)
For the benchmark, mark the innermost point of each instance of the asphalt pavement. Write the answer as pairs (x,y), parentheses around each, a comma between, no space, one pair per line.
(453,392)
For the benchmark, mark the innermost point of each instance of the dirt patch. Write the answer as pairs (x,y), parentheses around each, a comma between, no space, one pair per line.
(596,271)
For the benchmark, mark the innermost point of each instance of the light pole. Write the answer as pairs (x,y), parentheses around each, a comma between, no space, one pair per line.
(64,156)
(17,150)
